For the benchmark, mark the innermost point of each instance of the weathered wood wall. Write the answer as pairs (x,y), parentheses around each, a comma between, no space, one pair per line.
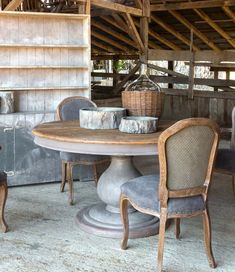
(177,107)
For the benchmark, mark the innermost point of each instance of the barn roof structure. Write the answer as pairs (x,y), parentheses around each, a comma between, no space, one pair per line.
(198,32)
(173,24)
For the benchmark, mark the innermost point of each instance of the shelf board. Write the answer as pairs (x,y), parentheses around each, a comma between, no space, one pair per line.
(43,88)
(44,14)
(70,46)
(44,67)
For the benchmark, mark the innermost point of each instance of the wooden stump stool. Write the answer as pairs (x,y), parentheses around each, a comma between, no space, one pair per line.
(3,198)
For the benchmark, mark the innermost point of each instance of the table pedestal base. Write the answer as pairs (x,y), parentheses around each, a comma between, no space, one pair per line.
(99,221)
(104,219)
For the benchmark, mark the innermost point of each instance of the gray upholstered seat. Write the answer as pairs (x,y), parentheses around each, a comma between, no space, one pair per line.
(144,192)
(72,157)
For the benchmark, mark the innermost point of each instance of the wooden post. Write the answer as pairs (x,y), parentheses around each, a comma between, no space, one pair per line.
(170,67)
(216,76)
(88,7)
(144,30)
(82,8)
(115,73)
(191,69)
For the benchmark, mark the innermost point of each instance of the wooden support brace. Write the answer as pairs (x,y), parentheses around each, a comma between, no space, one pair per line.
(117,89)
(133,29)
(13,5)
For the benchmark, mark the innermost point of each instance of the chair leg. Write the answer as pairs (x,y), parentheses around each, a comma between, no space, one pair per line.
(207,238)
(70,182)
(233,181)
(177,228)
(95,174)
(163,219)
(63,175)
(125,221)
(3,198)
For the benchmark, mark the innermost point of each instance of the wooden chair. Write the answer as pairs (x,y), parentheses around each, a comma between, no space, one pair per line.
(3,198)
(225,160)
(186,155)
(68,109)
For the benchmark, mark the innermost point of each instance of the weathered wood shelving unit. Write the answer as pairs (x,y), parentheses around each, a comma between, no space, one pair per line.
(44,53)
(43,59)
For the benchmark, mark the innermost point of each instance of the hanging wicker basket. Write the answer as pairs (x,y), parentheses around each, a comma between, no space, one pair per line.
(143,103)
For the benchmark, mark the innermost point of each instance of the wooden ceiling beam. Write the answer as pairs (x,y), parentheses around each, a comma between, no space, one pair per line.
(113,33)
(216,27)
(161,39)
(102,46)
(122,24)
(229,13)
(117,7)
(164,40)
(186,55)
(115,24)
(109,41)
(190,26)
(113,56)
(192,5)
(13,5)
(171,30)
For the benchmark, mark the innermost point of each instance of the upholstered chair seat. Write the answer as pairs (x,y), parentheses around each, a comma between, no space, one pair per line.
(144,192)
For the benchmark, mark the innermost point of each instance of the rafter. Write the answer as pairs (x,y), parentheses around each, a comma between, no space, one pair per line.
(113,33)
(160,38)
(192,5)
(170,29)
(122,23)
(190,26)
(229,13)
(108,40)
(102,46)
(115,24)
(216,27)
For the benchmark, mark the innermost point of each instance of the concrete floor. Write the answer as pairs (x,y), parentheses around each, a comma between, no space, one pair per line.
(44,236)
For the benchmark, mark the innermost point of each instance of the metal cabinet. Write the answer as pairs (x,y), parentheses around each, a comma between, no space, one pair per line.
(22,160)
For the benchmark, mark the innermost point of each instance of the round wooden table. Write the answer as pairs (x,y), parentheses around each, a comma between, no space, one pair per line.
(104,218)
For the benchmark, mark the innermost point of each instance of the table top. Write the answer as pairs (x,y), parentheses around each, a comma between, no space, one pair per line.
(69,131)
(68,136)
